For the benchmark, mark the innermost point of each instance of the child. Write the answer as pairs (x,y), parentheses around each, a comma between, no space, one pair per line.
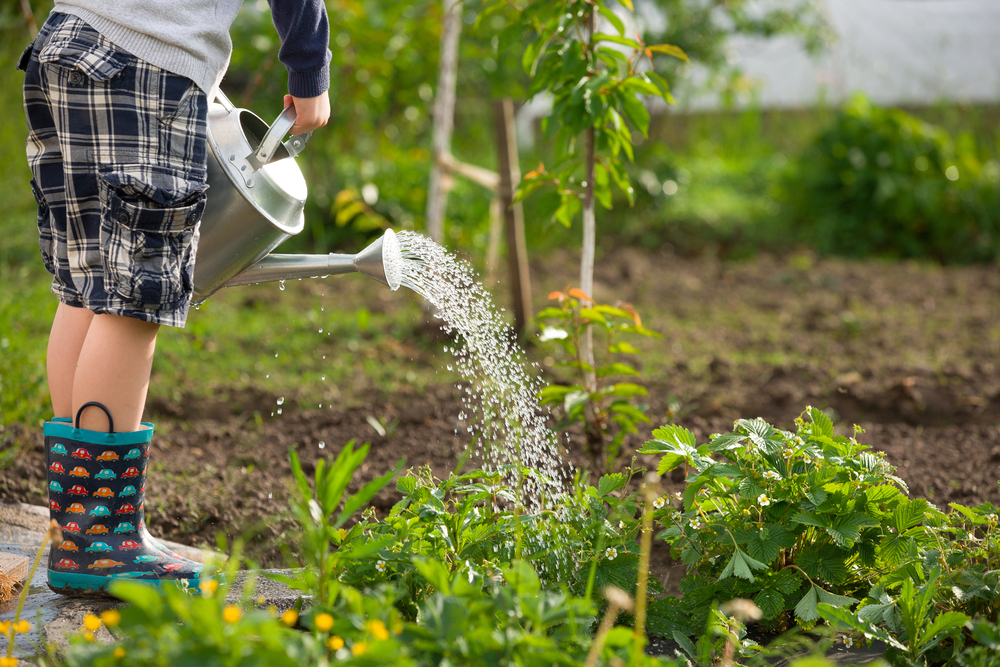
(116,97)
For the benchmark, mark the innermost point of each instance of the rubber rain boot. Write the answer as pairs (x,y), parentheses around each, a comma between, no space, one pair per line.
(97,484)
(147,536)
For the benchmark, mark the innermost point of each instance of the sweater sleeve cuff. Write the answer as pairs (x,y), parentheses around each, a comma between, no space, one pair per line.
(309,83)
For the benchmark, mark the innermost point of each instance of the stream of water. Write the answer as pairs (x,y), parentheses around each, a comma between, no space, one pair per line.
(506,426)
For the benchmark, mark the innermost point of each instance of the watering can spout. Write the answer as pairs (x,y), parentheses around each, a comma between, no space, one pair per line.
(381,260)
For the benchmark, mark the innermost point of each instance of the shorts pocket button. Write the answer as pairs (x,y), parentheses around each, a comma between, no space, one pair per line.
(75,78)
(123,218)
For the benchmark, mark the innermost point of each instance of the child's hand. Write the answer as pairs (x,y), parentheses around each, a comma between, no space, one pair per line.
(310,112)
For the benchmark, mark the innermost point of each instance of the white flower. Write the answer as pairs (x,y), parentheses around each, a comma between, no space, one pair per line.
(380,566)
(807,459)
(611,553)
(763,500)
(621,525)
(551,333)
(658,503)
(848,642)
(770,474)
(799,441)
(678,496)
(695,524)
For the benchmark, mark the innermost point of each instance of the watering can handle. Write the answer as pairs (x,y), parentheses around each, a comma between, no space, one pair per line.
(279,128)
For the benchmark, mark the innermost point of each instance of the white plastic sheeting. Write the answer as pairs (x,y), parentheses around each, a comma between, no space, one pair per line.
(894,51)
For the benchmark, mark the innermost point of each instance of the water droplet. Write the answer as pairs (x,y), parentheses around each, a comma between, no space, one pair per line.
(281,285)
(322,444)
(281,400)
(279,411)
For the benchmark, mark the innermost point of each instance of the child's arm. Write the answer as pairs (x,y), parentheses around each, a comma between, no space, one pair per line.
(305,36)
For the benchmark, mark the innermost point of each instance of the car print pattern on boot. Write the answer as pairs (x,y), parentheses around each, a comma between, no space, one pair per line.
(104,533)
(130,490)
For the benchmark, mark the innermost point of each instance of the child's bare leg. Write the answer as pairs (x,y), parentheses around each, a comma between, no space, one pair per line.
(114,367)
(69,330)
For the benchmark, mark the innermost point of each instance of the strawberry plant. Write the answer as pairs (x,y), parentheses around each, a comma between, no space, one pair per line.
(790,520)
(601,403)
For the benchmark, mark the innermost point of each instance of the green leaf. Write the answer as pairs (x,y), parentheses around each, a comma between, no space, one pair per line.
(740,565)
(670,50)
(817,496)
(610,483)
(593,315)
(676,435)
(823,423)
(767,543)
(726,441)
(806,609)
(624,41)
(624,347)
(612,19)
(844,617)
(636,112)
(770,602)
(553,313)
(943,624)
(846,529)
(406,485)
(684,643)
(627,390)
(554,393)
(826,563)
(810,519)
(568,209)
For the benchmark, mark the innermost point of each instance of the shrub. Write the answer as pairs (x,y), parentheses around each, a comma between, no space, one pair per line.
(881,182)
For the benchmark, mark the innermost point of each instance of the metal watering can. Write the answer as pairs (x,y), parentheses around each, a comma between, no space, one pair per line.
(256,200)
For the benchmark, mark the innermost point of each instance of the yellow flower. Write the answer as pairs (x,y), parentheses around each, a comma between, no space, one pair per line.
(91,622)
(231,614)
(290,617)
(119,653)
(378,630)
(4,627)
(89,636)
(261,599)
(360,648)
(397,628)
(8,662)
(111,617)
(22,627)
(335,643)
(208,587)
(323,622)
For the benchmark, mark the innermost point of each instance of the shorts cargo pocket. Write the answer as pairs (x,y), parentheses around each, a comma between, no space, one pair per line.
(77,59)
(46,240)
(149,239)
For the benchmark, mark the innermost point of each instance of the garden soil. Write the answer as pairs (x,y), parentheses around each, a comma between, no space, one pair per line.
(909,352)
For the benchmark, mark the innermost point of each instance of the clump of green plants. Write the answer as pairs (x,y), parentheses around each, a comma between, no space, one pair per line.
(786,519)
(599,399)
(882,182)
(812,526)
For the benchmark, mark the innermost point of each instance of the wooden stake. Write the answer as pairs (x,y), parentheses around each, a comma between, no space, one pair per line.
(517,249)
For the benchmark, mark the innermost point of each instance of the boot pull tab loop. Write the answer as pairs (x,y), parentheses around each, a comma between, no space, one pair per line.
(111,422)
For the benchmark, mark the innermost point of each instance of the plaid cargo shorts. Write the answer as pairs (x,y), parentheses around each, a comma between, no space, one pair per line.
(117,148)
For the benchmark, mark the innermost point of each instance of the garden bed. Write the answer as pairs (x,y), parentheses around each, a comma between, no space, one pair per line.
(910,352)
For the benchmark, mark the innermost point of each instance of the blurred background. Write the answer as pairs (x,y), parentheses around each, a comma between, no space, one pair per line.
(816,219)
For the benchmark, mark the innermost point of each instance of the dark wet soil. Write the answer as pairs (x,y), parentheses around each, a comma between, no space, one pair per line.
(909,352)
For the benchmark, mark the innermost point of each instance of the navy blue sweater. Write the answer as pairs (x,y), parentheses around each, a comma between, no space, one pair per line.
(305,37)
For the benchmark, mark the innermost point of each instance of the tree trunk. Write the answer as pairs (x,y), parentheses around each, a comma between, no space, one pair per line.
(444,115)
(587,256)
(517,250)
